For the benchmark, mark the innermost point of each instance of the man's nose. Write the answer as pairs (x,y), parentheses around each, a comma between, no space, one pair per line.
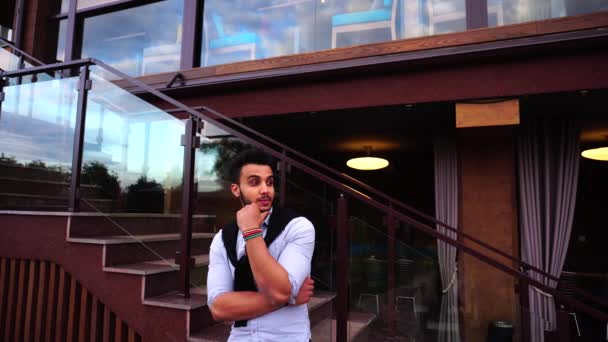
(264,188)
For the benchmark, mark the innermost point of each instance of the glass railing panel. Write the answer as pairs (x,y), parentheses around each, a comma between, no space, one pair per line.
(8,60)
(36,139)
(505,12)
(132,154)
(212,181)
(310,198)
(241,31)
(395,286)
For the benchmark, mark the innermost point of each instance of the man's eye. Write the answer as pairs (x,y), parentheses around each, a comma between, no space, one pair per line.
(253,182)
(270,182)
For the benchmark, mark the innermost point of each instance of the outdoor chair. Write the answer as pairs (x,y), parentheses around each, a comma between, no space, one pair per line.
(244,40)
(372,19)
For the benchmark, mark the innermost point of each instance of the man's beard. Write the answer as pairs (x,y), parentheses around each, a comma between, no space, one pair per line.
(245,201)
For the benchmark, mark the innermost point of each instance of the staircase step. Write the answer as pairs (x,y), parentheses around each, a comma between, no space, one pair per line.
(132,249)
(155,266)
(325,331)
(221,331)
(96,224)
(18,201)
(126,239)
(31,186)
(176,300)
(12,170)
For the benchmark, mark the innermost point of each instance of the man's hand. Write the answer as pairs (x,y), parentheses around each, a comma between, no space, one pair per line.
(249,217)
(306,291)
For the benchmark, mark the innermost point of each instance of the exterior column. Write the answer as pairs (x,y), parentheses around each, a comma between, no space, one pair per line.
(488,211)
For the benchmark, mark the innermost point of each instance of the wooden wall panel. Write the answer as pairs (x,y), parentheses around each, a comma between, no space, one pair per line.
(40,301)
(10,306)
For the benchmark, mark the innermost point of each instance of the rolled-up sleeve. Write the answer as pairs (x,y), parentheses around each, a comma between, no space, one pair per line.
(219,277)
(297,254)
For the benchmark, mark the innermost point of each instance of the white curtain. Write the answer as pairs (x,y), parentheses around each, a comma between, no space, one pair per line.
(548,164)
(446,210)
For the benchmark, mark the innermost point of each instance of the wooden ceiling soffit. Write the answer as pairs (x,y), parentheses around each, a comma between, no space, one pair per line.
(500,113)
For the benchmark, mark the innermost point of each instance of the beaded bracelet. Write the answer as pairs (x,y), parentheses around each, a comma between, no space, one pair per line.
(250,232)
(254,235)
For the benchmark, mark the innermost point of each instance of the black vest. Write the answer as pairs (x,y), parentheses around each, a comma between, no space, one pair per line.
(243,276)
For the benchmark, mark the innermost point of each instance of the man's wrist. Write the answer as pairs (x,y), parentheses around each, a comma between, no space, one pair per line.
(252,233)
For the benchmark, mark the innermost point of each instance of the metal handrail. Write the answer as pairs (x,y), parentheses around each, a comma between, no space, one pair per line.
(21,52)
(387,209)
(391,200)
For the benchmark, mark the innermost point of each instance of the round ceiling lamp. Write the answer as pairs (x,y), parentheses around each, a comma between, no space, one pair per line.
(596,153)
(367,163)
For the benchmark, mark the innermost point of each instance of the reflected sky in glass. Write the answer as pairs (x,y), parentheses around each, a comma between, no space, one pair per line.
(138,41)
(37,121)
(8,61)
(519,11)
(132,137)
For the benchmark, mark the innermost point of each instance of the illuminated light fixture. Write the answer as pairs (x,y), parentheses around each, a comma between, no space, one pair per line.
(596,153)
(368,162)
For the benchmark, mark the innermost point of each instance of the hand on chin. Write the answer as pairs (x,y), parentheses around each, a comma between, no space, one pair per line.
(251,216)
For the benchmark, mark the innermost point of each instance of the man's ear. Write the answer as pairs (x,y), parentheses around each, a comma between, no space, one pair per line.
(236,191)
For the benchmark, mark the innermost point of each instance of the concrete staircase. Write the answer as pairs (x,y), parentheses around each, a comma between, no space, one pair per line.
(132,255)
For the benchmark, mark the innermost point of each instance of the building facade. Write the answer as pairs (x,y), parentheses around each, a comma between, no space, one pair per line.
(481,108)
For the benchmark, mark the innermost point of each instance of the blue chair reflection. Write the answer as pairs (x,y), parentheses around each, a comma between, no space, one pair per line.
(243,41)
(372,19)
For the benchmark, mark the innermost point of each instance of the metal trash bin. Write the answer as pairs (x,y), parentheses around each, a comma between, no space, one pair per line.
(500,331)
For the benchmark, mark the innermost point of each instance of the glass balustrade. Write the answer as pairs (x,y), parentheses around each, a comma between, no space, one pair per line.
(36,143)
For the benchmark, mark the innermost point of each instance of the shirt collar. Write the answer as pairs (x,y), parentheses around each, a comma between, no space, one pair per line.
(267,220)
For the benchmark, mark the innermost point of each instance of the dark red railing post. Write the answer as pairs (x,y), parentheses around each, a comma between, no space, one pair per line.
(84,86)
(524,302)
(2,94)
(190,142)
(391,224)
(562,324)
(20,65)
(283,184)
(342,240)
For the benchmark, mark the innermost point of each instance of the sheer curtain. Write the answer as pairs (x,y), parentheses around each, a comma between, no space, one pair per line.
(548,164)
(446,210)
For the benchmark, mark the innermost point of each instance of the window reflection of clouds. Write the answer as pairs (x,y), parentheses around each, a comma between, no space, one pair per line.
(125,117)
(40,129)
(518,11)
(122,38)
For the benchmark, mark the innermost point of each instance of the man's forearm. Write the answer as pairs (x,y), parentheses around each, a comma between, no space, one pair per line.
(270,277)
(241,305)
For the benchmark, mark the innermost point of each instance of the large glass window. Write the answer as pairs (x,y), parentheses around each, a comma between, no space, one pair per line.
(504,12)
(63,25)
(138,41)
(6,32)
(240,30)
(65,4)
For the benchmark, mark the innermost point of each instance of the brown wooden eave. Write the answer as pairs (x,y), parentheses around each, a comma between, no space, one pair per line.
(580,31)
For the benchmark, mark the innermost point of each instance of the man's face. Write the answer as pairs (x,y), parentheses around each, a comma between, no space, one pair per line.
(256,185)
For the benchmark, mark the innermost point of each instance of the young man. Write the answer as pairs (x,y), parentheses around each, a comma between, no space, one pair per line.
(259,266)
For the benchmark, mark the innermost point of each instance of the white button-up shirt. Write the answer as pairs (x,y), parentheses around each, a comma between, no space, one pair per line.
(293,250)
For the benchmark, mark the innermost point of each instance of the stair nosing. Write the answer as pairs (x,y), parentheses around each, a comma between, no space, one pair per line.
(139,239)
(13,194)
(124,269)
(155,301)
(54,182)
